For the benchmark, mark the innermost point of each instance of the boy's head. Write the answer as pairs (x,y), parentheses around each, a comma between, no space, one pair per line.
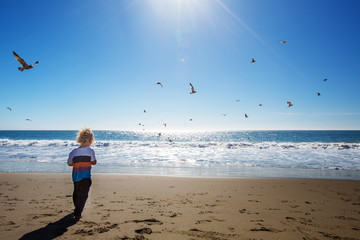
(85,135)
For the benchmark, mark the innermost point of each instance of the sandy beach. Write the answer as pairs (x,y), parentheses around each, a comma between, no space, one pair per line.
(39,206)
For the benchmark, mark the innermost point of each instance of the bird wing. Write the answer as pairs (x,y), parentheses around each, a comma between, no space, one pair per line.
(20,60)
(192,87)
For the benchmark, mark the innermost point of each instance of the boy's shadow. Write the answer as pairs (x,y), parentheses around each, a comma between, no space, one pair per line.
(52,230)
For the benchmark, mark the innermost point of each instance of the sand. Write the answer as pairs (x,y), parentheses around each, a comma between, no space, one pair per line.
(39,206)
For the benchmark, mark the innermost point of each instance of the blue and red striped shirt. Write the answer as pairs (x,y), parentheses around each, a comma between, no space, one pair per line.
(81,159)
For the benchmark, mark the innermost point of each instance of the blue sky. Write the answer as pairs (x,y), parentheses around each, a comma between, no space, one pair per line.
(99,62)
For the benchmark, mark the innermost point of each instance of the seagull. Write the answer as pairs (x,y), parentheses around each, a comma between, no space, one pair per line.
(164,124)
(28,119)
(325,79)
(224,114)
(237,100)
(283,42)
(159,83)
(253,60)
(289,104)
(144,111)
(318,94)
(246,116)
(190,119)
(9,108)
(23,63)
(192,89)
(260,105)
(170,140)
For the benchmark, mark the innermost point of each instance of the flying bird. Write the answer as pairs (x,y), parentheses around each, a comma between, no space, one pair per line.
(9,108)
(283,42)
(28,119)
(192,89)
(190,119)
(144,111)
(23,63)
(159,83)
(253,60)
(318,94)
(289,104)
(224,114)
(325,79)
(260,105)
(237,100)
(246,116)
(164,124)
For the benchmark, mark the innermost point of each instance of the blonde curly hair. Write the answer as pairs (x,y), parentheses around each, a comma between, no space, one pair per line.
(85,135)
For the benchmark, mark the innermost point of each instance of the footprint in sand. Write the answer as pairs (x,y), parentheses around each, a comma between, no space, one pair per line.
(206,212)
(242,210)
(273,209)
(36,216)
(203,221)
(294,206)
(257,220)
(264,229)
(144,231)
(150,221)
(105,217)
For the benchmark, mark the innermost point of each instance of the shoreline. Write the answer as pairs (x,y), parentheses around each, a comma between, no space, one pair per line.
(40,205)
(196,172)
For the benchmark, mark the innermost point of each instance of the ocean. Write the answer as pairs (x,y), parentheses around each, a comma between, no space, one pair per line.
(282,154)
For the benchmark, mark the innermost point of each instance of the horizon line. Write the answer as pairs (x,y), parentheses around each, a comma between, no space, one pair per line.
(229,130)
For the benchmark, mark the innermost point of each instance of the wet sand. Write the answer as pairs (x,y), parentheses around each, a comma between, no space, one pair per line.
(36,206)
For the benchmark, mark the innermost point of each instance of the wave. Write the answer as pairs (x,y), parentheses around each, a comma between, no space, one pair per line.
(174,144)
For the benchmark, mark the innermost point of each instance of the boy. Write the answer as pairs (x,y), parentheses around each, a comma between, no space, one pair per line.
(81,159)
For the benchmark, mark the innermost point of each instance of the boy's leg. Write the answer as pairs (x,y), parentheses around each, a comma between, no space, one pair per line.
(76,197)
(81,191)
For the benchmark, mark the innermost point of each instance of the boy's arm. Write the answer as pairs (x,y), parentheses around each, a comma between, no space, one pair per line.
(93,162)
(69,161)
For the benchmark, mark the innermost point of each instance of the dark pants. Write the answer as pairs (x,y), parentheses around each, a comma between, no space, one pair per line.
(80,195)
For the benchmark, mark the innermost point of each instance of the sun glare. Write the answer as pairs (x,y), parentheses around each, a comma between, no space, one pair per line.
(183,10)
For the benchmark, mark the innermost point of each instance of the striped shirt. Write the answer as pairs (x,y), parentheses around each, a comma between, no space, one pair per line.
(81,159)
